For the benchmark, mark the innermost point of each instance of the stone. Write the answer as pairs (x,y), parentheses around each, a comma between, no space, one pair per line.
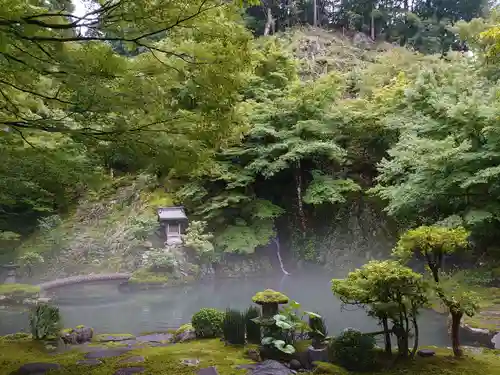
(106,353)
(37,368)
(249,366)
(190,362)
(134,359)
(496,341)
(79,335)
(208,371)
(156,337)
(317,355)
(129,370)
(253,354)
(118,338)
(187,335)
(89,362)
(271,367)
(295,364)
(426,353)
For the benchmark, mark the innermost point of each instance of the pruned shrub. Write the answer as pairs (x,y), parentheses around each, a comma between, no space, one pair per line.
(254,335)
(234,327)
(328,368)
(45,321)
(353,350)
(208,322)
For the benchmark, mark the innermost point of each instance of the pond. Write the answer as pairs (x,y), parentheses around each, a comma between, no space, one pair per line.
(106,309)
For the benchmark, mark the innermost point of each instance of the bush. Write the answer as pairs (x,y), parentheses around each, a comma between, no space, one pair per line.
(208,322)
(45,321)
(233,327)
(318,331)
(253,329)
(328,368)
(353,350)
(158,260)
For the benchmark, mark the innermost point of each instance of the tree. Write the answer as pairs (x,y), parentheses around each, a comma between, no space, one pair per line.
(434,243)
(390,292)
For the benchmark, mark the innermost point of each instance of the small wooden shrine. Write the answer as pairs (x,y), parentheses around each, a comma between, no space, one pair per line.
(174,221)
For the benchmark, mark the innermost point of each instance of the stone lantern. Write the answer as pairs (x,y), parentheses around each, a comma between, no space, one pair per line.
(269,300)
(11,273)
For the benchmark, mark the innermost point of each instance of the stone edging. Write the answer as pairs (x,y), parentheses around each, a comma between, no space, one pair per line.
(82,279)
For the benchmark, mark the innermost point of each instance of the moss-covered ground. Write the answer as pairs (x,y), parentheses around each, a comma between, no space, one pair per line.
(8,289)
(16,350)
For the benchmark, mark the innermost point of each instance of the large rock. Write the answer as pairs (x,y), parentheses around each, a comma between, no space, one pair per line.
(480,336)
(208,371)
(271,367)
(317,355)
(187,335)
(37,368)
(78,335)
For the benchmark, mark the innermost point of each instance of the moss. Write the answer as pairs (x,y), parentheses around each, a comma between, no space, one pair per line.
(184,328)
(329,368)
(143,276)
(269,296)
(6,289)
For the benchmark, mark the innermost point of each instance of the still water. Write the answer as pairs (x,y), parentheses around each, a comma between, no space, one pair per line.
(106,309)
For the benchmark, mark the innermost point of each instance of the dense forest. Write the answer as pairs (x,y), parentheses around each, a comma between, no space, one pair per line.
(218,106)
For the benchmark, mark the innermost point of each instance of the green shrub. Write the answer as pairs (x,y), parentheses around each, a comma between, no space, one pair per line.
(328,368)
(45,321)
(353,350)
(233,327)
(208,322)
(318,331)
(253,329)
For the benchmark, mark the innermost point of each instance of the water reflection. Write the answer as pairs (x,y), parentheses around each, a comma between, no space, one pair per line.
(105,308)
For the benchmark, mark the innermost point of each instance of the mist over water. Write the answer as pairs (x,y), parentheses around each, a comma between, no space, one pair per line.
(106,309)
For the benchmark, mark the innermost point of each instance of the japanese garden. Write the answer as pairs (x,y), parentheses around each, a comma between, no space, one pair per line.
(261,187)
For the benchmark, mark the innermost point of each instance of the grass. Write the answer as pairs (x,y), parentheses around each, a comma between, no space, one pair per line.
(143,276)
(15,351)
(6,289)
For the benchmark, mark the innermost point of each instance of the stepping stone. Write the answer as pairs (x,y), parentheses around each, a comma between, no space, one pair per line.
(107,353)
(426,353)
(190,362)
(156,337)
(130,370)
(111,338)
(37,368)
(89,362)
(208,371)
(134,359)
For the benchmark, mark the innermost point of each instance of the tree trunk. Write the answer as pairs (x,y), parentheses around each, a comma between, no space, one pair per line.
(315,13)
(373,26)
(456,317)
(300,205)
(269,22)
(415,342)
(387,336)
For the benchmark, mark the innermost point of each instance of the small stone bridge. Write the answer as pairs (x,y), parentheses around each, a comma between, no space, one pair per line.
(83,279)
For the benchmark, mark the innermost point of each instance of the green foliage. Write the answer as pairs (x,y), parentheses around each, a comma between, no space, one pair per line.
(29,260)
(208,322)
(12,289)
(389,292)
(318,331)
(353,350)
(253,332)
(324,189)
(159,260)
(145,276)
(233,327)
(328,368)
(196,238)
(45,321)
(431,240)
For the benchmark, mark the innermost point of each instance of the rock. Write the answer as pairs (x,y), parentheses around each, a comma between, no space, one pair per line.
(134,359)
(156,337)
(190,362)
(106,353)
(187,335)
(117,338)
(253,354)
(295,364)
(426,353)
(208,371)
(38,368)
(361,40)
(271,367)
(129,370)
(496,341)
(317,355)
(89,362)
(78,335)
(249,366)
(482,337)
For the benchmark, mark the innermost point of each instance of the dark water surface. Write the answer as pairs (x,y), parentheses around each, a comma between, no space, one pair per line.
(106,309)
